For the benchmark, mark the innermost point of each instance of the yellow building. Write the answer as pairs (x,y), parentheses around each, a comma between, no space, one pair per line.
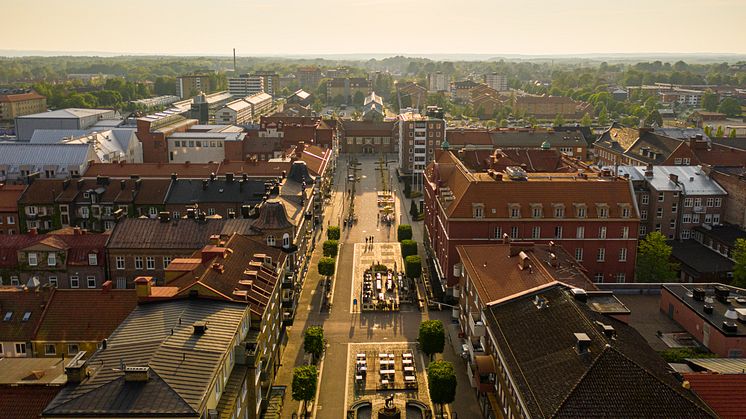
(19,103)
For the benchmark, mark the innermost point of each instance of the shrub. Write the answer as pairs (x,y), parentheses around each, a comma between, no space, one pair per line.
(331,247)
(413,266)
(408,248)
(404,232)
(332,233)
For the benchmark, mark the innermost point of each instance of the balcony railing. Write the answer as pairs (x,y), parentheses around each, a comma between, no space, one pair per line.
(476,326)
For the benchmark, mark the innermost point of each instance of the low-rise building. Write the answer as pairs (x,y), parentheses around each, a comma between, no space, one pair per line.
(70,119)
(300,97)
(15,103)
(204,147)
(373,108)
(110,146)
(27,385)
(9,220)
(367,137)
(548,107)
(52,161)
(344,89)
(22,312)
(712,313)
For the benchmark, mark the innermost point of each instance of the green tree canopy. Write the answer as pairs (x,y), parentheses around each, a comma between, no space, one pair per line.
(313,341)
(441,381)
(326,266)
(558,121)
(710,101)
(739,268)
(603,116)
(732,133)
(331,247)
(404,232)
(408,248)
(413,266)
(730,106)
(414,211)
(654,259)
(720,132)
(432,337)
(305,380)
(586,120)
(654,117)
(332,233)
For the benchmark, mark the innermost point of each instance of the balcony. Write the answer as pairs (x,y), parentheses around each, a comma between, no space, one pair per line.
(475,348)
(476,326)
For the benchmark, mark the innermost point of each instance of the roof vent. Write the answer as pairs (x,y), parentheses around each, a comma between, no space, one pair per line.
(200,328)
(136,374)
(698,294)
(708,308)
(541,302)
(730,327)
(731,314)
(524,261)
(582,343)
(722,293)
(609,331)
(579,294)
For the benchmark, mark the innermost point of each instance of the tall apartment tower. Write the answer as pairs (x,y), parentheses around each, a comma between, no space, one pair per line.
(245,85)
(418,136)
(496,81)
(189,85)
(270,80)
(437,82)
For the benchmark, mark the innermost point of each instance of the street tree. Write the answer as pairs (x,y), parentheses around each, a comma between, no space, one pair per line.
(739,268)
(710,101)
(313,341)
(441,381)
(732,133)
(331,247)
(603,116)
(408,248)
(720,132)
(332,233)
(413,210)
(432,337)
(654,259)
(305,380)
(326,266)
(413,266)
(404,232)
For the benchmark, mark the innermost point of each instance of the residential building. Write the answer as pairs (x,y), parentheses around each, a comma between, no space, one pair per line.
(591,215)
(686,97)
(27,385)
(270,80)
(600,366)
(204,147)
(733,180)
(15,103)
(110,145)
(70,118)
(417,136)
(437,82)
(411,95)
(9,220)
(226,197)
(192,84)
(723,393)
(245,85)
(22,312)
(344,90)
(548,107)
(674,200)
(301,97)
(367,137)
(74,260)
(140,247)
(309,78)
(711,313)
(696,262)
(146,171)
(496,81)
(572,143)
(373,108)
(461,90)
(310,130)
(18,160)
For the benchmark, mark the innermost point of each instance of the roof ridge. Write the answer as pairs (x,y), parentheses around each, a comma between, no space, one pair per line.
(580,380)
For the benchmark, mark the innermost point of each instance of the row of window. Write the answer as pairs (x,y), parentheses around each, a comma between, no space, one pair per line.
(193,143)
(537,211)
(121,264)
(601,254)
(11,220)
(33,259)
(619,277)
(73,281)
(558,232)
(688,202)
(49,349)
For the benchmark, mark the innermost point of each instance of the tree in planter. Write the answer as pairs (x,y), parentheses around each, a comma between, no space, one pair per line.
(653,259)
(404,232)
(326,267)
(432,337)
(313,341)
(332,233)
(305,380)
(413,266)
(414,210)
(408,248)
(331,247)
(441,379)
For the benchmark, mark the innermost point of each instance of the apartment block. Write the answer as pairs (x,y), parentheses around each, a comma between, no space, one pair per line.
(190,85)
(496,81)
(15,103)
(417,137)
(245,85)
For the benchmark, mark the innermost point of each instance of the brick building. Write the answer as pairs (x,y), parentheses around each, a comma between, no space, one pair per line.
(733,180)
(367,137)
(548,107)
(417,136)
(19,103)
(153,130)
(593,216)
(346,89)
(9,195)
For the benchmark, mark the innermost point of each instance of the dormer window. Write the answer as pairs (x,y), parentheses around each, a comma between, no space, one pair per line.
(478,210)
(8,316)
(514,210)
(92,259)
(602,210)
(270,240)
(537,211)
(52,259)
(625,210)
(32,259)
(580,210)
(559,210)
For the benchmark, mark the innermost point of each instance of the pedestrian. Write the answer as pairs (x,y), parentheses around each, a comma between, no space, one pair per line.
(366,240)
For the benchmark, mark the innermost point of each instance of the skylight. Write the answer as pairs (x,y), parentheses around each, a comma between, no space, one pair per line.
(8,316)
(26,316)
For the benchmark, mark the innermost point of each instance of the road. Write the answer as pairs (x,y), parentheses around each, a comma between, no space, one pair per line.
(341,326)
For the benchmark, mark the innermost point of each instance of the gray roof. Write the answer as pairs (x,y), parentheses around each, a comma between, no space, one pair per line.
(692,181)
(681,133)
(71,113)
(53,136)
(142,233)
(188,191)
(720,365)
(15,154)
(504,138)
(182,364)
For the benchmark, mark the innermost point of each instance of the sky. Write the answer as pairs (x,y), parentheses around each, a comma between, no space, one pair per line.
(307,27)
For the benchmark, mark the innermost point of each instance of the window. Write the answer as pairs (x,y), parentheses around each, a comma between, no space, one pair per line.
(579,254)
(478,211)
(708,218)
(718,202)
(620,277)
(688,202)
(580,232)
(121,283)
(14,280)
(119,262)
(270,240)
(715,218)
(559,212)
(625,232)
(52,281)
(8,316)
(21,348)
(603,212)
(685,234)
(677,161)
(602,232)
(91,281)
(581,212)
(625,212)
(286,240)
(74,282)
(166,261)
(672,223)
(623,254)
(644,215)
(92,259)
(217,388)
(695,218)
(72,348)
(50,350)
(643,230)
(497,232)
(26,316)
(150,263)
(659,212)
(138,262)
(32,260)
(535,232)
(644,199)
(514,232)
(599,277)
(601,254)
(515,212)
(51,259)
(661,196)
(536,212)
(674,207)
(211,211)
(658,227)
(558,232)
(11,219)
(710,202)
(697,202)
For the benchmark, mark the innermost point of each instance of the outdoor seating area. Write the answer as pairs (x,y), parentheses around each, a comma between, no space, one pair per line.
(386,207)
(380,290)
(395,371)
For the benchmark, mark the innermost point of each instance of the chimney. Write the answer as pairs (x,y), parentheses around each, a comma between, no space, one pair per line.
(136,374)
(143,286)
(524,262)
(579,294)
(674,178)
(77,231)
(65,184)
(229,177)
(80,183)
(77,369)
(174,176)
(553,260)
(582,343)
(204,183)
(123,184)
(244,177)
(200,328)
(212,176)
(506,238)
(138,183)
(608,330)
(649,170)
(106,286)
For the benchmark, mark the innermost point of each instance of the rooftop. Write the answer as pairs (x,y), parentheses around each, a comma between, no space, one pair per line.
(724,393)
(140,233)
(15,154)
(38,371)
(9,195)
(692,180)
(735,303)
(700,257)
(69,113)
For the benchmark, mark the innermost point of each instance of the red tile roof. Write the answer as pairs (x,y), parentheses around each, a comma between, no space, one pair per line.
(78,247)
(724,393)
(20,97)
(18,302)
(84,315)
(25,402)
(190,171)
(460,137)
(9,195)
